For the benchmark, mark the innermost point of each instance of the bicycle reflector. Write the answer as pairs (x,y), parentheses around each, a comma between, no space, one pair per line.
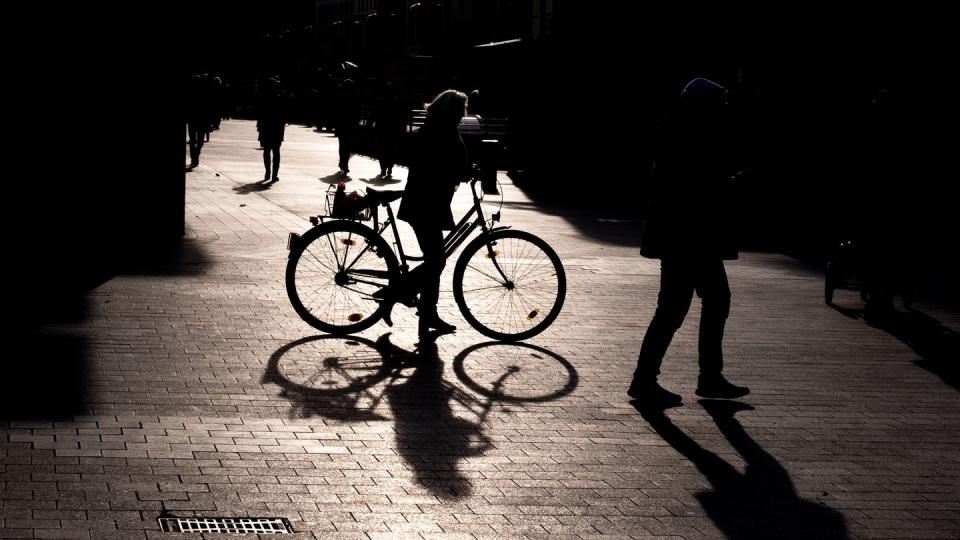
(533,314)
(355,317)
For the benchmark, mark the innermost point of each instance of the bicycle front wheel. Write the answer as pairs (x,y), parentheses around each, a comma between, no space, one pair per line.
(509,285)
(333,272)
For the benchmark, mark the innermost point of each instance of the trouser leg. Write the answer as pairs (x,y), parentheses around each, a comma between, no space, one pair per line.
(673,302)
(714,290)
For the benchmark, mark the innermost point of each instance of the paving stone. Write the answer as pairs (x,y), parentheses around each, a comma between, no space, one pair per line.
(207,394)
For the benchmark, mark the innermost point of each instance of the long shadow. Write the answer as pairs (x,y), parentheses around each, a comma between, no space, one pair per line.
(332,376)
(47,369)
(430,436)
(345,378)
(381,181)
(616,218)
(515,372)
(759,503)
(168,258)
(254,187)
(336,178)
(607,224)
(937,345)
(49,354)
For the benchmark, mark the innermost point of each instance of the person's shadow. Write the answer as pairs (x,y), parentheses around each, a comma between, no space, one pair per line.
(937,345)
(759,503)
(381,181)
(430,437)
(253,187)
(336,178)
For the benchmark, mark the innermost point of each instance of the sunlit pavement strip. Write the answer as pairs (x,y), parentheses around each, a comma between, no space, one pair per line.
(208,396)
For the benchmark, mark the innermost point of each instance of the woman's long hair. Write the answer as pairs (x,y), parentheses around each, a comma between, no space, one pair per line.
(447,108)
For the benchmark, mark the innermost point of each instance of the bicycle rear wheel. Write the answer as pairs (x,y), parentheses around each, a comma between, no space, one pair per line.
(333,272)
(509,285)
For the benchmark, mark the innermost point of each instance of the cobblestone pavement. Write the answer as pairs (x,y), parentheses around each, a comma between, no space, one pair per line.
(205,394)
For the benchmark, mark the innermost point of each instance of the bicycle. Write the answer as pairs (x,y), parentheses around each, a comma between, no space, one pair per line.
(508,284)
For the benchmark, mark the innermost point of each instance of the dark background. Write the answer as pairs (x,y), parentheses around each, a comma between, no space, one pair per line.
(97,95)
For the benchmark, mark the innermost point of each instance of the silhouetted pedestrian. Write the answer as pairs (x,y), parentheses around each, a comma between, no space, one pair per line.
(389,122)
(689,229)
(439,163)
(348,116)
(207,99)
(216,102)
(271,121)
(226,101)
(197,117)
(885,207)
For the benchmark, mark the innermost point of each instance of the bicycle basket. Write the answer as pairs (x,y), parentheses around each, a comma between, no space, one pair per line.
(351,206)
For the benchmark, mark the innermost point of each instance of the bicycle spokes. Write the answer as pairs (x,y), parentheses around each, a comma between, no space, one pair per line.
(511,285)
(337,276)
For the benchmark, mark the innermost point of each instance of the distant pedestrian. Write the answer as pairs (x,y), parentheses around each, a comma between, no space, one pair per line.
(271,122)
(348,117)
(689,229)
(216,102)
(389,122)
(197,117)
(886,209)
(207,99)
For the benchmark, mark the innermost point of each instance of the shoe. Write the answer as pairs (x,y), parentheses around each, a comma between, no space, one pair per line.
(653,394)
(442,326)
(266,176)
(717,387)
(276,179)
(435,323)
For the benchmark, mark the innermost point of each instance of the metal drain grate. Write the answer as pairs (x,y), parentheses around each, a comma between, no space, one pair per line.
(234,525)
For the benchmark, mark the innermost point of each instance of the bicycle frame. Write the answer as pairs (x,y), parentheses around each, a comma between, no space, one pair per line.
(451,241)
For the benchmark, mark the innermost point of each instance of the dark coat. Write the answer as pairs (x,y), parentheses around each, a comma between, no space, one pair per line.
(690,213)
(271,120)
(439,163)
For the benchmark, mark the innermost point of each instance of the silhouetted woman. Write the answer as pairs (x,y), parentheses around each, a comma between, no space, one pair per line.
(271,122)
(438,165)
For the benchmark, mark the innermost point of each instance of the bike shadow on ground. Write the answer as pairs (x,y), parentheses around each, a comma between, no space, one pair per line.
(937,345)
(760,502)
(331,376)
(438,423)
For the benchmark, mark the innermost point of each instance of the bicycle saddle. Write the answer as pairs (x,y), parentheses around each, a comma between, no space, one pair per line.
(383,198)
